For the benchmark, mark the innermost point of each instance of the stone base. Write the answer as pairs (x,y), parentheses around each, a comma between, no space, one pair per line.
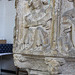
(36,65)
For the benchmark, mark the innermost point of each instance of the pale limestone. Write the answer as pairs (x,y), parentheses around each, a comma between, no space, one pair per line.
(44,36)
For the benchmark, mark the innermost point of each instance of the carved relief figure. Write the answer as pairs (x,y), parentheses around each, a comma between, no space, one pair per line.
(38,25)
(69,26)
(44,33)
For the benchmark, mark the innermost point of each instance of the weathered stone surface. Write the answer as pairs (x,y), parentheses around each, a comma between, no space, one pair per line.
(44,32)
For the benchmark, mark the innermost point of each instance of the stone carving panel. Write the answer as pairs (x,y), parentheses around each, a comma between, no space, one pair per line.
(44,35)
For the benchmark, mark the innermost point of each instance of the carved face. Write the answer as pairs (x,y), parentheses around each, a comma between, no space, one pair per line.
(36,3)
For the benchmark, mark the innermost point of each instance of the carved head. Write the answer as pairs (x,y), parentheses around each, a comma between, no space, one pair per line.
(37,3)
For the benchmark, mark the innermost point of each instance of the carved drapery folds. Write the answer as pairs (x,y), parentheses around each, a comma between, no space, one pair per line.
(44,35)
